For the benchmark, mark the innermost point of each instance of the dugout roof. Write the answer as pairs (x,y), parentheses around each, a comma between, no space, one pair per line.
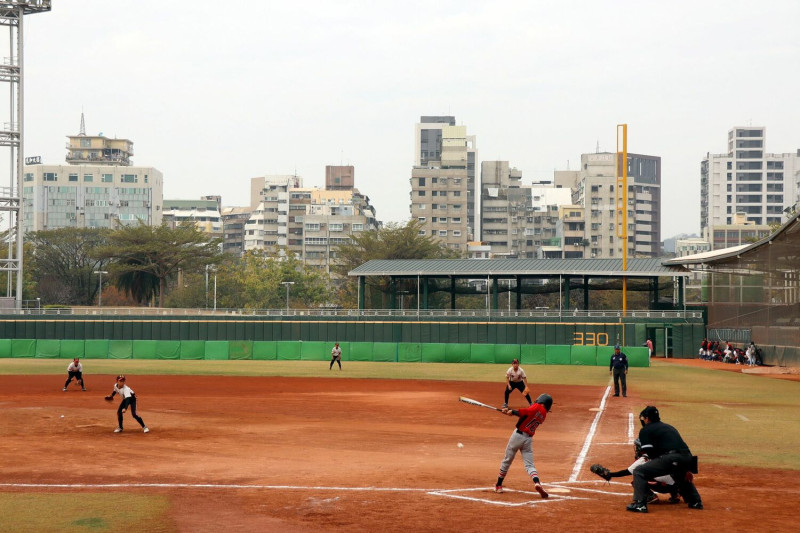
(644,268)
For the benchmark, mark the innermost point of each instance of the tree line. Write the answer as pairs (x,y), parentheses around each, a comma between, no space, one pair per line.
(162,266)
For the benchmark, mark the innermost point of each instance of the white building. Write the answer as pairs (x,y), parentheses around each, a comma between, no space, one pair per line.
(96,189)
(747,180)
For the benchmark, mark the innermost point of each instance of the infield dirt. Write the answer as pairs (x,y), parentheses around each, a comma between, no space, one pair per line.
(291,454)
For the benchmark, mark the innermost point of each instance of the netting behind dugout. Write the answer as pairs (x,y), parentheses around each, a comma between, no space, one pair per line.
(759,290)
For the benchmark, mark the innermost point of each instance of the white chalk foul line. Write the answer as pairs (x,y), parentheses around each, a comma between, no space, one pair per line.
(743,418)
(588,442)
(630,428)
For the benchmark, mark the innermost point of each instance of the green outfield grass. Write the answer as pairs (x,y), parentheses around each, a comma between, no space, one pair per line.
(70,513)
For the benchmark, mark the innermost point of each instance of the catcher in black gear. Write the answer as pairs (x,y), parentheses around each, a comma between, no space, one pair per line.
(661,484)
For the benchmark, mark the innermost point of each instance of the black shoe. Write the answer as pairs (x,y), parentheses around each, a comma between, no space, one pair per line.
(616,395)
(624,395)
(674,499)
(696,505)
(637,507)
(652,499)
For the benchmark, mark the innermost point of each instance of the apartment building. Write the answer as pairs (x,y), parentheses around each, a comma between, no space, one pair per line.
(204,213)
(443,181)
(234,220)
(97,188)
(596,192)
(747,179)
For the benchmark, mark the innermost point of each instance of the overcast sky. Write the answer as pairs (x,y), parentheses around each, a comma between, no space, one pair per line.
(213,93)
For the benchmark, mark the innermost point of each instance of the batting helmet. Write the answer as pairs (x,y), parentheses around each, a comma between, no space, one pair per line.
(546,400)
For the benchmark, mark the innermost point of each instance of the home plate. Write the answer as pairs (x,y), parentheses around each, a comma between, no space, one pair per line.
(557,490)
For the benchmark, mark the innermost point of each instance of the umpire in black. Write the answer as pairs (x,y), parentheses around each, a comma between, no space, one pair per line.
(668,455)
(618,366)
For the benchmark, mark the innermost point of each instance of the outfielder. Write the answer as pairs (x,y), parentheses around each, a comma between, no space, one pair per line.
(336,357)
(516,379)
(521,440)
(74,370)
(128,400)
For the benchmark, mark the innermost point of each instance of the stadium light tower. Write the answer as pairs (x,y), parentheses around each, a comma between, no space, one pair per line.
(11,137)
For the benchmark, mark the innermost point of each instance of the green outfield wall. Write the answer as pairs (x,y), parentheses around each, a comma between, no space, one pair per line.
(401,352)
(681,337)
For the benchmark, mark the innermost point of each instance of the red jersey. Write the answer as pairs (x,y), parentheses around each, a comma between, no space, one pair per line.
(531,418)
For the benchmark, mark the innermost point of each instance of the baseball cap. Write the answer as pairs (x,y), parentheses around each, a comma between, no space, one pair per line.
(120,378)
(616,346)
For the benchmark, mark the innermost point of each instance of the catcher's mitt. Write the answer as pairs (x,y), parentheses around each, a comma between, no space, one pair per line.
(108,398)
(601,471)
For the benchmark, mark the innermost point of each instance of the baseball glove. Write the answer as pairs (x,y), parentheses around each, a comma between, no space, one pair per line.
(525,392)
(108,398)
(601,471)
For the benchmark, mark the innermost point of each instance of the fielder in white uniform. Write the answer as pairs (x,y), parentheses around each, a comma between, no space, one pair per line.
(516,379)
(75,370)
(128,401)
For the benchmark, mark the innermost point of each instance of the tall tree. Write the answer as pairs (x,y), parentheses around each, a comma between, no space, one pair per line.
(392,241)
(63,262)
(255,281)
(144,257)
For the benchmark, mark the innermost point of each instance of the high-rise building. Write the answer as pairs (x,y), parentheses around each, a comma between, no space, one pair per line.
(234,220)
(96,189)
(519,221)
(443,181)
(308,222)
(595,191)
(204,213)
(747,180)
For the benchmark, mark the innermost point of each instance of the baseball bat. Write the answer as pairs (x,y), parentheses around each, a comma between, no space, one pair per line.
(477,403)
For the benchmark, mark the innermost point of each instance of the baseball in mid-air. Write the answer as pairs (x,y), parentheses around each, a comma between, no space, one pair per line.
(460,445)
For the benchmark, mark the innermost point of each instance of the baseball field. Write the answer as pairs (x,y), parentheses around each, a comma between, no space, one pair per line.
(292,446)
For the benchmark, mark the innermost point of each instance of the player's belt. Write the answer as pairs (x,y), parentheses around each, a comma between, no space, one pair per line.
(680,452)
(523,433)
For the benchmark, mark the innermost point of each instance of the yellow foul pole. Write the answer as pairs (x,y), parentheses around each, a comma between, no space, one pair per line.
(622,205)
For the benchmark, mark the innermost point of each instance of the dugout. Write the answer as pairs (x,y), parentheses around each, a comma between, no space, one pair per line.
(753,293)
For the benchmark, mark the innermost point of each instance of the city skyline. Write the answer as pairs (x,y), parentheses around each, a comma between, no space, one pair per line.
(214,100)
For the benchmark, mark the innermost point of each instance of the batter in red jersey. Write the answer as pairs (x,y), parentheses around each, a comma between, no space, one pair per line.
(521,440)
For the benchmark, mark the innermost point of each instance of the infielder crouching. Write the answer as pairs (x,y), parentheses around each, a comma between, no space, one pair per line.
(74,370)
(128,401)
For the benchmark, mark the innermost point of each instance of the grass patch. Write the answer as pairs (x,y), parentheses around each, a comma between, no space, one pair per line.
(87,512)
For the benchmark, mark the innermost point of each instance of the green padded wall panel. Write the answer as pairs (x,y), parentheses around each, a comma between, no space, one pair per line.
(409,352)
(240,350)
(532,354)
(144,349)
(317,351)
(48,348)
(96,348)
(23,348)
(265,350)
(583,355)
(384,351)
(120,349)
(457,353)
(193,350)
(70,349)
(217,350)
(288,350)
(433,353)
(557,354)
(481,353)
(168,349)
(505,353)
